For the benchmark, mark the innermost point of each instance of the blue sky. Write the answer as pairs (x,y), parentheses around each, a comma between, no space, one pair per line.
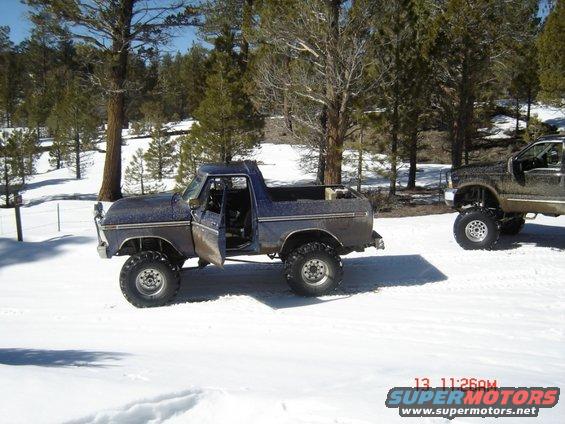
(14,14)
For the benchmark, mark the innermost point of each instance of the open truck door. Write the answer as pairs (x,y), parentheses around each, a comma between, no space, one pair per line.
(209,222)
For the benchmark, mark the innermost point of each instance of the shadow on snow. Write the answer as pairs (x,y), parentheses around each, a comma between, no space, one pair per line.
(14,252)
(539,235)
(266,283)
(57,358)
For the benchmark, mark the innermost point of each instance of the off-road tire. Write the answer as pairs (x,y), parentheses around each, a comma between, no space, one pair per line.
(485,220)
(512,226)
(144,261)
(178,263)
(315,253)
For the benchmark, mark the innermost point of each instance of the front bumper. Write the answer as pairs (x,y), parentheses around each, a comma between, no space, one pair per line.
(449,196)
(102,243)
(103,250)
(378,241)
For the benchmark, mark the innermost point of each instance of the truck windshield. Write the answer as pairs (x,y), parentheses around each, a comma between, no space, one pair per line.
(193,188)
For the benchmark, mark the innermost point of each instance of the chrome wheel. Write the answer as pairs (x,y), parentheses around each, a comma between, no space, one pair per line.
(150,281)
(476,231)
(315,272)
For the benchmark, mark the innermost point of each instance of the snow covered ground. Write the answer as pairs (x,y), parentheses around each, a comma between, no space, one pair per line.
(238,347)
(503,126)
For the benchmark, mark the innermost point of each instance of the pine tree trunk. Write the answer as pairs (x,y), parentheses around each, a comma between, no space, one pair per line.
(246,28)
(529,109)
(6,182)
(77,156)
(360,161)
(469,116)
(517,115)
(321,168)
(322,147)
(286,106)
(393,153)
(111,180)
(334,150)
(413,157)
(460,125)
(335,118)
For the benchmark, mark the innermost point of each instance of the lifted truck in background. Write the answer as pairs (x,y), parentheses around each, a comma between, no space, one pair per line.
(227,211)
(495,198)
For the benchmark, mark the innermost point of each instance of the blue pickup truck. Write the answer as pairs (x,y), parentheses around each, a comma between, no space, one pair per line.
(227,211)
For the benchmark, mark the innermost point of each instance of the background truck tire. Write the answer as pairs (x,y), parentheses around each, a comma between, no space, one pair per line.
(475,229)
(148,279)
(513,226)
(313,269)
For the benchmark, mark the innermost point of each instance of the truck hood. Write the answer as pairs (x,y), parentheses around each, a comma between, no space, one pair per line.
(146,209)
(481,169)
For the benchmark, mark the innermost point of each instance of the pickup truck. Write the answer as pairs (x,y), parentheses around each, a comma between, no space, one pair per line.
(227,211)
(495,198)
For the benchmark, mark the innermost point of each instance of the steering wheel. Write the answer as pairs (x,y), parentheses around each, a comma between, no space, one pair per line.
(537,163)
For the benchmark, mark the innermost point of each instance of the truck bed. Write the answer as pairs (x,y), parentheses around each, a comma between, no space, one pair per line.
(311,192)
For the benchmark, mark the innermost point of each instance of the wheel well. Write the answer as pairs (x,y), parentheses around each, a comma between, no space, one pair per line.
(476,195)
(299,238)
(141,244)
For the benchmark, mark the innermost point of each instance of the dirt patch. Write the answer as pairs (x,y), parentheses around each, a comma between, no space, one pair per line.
(407,203)
(415,210)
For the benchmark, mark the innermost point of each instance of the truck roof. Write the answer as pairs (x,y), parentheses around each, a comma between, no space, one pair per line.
(244,167)
(552,137)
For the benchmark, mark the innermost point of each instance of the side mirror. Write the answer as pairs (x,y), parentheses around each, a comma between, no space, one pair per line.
(511,166)
(194,203)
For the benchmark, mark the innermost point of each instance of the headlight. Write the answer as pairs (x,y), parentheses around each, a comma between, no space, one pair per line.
(448,179)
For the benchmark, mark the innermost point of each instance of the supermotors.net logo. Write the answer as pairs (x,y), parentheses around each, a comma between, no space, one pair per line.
(451,403)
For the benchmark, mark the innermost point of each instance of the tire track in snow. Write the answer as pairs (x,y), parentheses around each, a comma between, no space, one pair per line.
(152,410)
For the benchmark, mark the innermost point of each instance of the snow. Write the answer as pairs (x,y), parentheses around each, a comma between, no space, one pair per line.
(503,126)
(238,347)
(549,114)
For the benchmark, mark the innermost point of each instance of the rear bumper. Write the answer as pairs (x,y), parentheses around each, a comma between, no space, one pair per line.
(449,196)
(378,241)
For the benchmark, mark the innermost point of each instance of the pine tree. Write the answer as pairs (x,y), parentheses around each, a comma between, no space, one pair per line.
(57,153)
(75,124)
(235,16)
(323,46)
(24,148)
(517,74)
(551,45)
(227,122)
(115,29)
(193,71)
(135,174)
(38,56)
(191,156)
(137,178)
(10,78)
(472,37)
(10,167)
(160,157)
(404,67)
